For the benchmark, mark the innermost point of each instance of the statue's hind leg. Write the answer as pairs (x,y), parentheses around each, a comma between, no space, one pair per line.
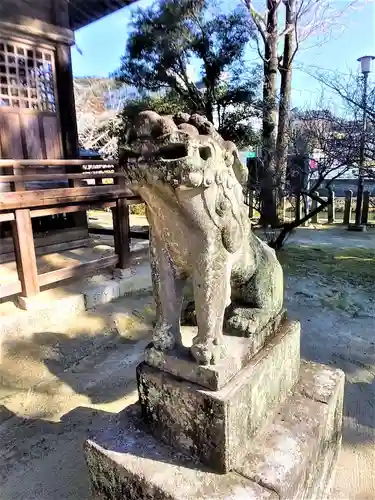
(259,300)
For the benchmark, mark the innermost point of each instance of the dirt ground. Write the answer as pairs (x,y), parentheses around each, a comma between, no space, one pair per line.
(63,387)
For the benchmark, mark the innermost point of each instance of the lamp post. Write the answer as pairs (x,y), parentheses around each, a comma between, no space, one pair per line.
(365,62)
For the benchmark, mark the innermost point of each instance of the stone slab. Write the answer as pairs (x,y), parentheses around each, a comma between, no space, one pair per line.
(126,463)
(110,289)
(215,426)
(295,454)
(238,352)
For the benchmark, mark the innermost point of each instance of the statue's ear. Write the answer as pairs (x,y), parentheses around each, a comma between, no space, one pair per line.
(240,171)
(231,223)
(233,161)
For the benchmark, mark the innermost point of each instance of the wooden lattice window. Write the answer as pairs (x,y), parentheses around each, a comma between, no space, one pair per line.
(26,77)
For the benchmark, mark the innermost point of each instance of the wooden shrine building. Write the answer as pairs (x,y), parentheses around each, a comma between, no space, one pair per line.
(38,130)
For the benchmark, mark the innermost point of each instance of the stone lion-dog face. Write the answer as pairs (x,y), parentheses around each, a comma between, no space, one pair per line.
(191,181)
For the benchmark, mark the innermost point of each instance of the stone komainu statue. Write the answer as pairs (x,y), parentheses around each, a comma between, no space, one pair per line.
(191,181)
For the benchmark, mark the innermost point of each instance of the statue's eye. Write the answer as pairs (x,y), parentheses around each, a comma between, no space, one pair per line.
(172,152)
(205,152)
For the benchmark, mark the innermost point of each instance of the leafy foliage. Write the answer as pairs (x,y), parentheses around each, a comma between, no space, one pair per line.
(169,38)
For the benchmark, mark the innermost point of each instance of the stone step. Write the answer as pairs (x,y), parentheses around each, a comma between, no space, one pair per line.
(127,463)
(58,308)
(292,457)
(295,454)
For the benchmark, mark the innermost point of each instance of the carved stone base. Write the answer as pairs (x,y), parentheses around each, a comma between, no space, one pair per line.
(238,351)
(291,458)
(215,426)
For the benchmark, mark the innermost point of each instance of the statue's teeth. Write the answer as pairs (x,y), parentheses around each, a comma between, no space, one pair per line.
(209,177)
(195,179)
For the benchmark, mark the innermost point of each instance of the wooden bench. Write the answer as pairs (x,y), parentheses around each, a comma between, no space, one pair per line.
(20,206)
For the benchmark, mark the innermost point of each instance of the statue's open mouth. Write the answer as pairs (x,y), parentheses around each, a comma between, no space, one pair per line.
(174,151)
(178,151)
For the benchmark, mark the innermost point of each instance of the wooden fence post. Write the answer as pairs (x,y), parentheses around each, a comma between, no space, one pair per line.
(348,207)
(331,208)
(298,207)
(365,207)
(281,209)
(24,249)
(314,206)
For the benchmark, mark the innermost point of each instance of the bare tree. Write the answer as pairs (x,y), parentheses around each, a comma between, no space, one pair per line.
(96,123)
(349,90)
(322,148)
(278,48)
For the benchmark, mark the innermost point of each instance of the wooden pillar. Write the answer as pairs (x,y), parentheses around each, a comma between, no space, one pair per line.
(67,115)
(331,208)
(348,207)
(67,109)
(121,227)
(365,207)
(25,252)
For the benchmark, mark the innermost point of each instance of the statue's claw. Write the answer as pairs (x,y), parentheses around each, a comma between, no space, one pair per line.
(163,338)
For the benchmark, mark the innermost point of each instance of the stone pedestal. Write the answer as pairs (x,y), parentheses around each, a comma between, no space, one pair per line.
(271,431)
(216,427)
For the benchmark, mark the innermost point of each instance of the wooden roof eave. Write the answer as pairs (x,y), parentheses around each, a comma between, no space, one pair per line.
(84,12)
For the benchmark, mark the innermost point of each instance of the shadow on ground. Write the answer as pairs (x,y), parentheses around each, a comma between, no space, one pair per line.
(95,357)
(45,460)
(63,473)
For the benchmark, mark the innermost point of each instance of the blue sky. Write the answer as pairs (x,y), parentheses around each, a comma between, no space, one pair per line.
(102,44)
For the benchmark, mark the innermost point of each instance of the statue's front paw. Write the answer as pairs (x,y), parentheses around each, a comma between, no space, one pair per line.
(202,353)
(208,353)
(163,338)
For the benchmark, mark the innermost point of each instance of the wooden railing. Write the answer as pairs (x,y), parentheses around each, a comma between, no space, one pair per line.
(20,206)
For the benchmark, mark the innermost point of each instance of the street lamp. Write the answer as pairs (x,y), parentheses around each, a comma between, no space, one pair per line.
(366,62)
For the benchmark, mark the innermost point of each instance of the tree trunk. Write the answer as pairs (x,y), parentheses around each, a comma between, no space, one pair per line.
(267,181)
(284,105)
(209,111)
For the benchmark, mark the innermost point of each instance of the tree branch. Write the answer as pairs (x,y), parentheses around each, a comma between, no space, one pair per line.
(257,18)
